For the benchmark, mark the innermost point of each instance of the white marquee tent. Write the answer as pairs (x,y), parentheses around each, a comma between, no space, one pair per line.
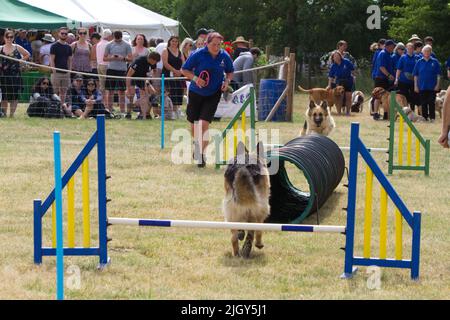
(113,14)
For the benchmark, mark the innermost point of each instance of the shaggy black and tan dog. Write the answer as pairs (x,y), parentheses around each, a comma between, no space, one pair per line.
(247,191)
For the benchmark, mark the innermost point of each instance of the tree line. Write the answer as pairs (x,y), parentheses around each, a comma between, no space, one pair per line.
(312,26)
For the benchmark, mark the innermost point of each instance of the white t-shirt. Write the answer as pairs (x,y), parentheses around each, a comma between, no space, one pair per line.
(160,48)
(45,53)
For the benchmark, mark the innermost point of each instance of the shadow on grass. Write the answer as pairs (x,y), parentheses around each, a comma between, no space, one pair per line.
(257,258)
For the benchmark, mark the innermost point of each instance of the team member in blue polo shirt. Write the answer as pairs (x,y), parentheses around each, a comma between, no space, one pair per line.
(404,78)
(341,73)
(205,68)
(384,74)
(399,51)
(426,82)
(381,44)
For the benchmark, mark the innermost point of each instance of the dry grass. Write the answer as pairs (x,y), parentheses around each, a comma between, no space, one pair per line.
(197,264)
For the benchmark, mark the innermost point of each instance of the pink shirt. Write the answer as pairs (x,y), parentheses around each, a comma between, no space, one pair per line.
(101,46)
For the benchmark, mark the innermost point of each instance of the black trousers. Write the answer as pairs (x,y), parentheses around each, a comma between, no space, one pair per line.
(428,103)
(407,90)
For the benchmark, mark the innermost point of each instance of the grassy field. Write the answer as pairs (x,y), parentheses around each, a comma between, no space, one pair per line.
(197,264)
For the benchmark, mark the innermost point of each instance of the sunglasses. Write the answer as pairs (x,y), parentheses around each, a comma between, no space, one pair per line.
(9,37)
(45,83)
(82,33)
(64,33)
(91,84)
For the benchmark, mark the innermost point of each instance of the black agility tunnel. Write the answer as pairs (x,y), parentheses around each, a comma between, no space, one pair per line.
(322,163)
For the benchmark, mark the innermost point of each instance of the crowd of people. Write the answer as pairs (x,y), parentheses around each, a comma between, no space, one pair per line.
(111,62)
(412,70)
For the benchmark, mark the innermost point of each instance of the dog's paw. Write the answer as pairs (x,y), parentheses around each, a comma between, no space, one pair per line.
(241,235)
(246,249)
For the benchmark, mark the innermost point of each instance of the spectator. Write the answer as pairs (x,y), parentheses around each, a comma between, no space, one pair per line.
(93,101)
(429,41)
(140,69)
(36,45)
(159,41)
(240,45)
(44,55)
(102,65)
(61,58)
(426,82)
(380,48)
(186,48)
(201,36)
(95,39)
(398,52)
(444,139)
(205,68)
(404,78)
(342,47)
(152,43)
(199,44)
(11,83)
(81,51)
(384,74)
(23,41)
(71,38)
(74,96)
(418,46)
(341,73)
(140,46)
(374,47)
(118,54)
(160,47)
(245,61)
(43,101)
(173,60)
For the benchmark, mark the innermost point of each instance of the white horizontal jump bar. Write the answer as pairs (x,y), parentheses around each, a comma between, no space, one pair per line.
(226,225)
(374,150)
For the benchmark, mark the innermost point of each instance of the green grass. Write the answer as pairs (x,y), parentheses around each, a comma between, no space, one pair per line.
(197,264)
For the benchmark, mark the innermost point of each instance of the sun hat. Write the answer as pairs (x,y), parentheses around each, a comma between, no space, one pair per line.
(48,38)
(414,37)
(240,40)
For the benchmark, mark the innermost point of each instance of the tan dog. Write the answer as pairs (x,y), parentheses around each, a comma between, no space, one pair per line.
(318,120)
(331,96)
(440,97)
(385,98)
(247,191)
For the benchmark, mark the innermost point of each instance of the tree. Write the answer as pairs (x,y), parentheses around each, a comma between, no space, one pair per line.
(424,18)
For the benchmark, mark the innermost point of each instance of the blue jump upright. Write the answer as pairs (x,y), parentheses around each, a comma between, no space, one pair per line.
(41,208)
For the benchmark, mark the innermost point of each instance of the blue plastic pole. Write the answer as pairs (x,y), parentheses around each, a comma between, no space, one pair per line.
(37,204)
(351,203)
(102,210)
(162,111)
(415,255)
(59,217)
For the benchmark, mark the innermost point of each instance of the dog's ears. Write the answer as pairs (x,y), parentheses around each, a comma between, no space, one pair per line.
(260,151)
(324,105)
(312,105)
(241,153)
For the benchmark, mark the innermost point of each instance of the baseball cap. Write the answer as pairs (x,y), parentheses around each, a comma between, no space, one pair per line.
(390,43)
(202,31)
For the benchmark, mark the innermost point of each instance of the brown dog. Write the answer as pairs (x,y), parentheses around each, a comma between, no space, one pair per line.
(385,99)
(331,96)
(247,191)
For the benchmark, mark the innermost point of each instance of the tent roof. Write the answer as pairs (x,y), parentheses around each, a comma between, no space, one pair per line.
(109,13)
(15,14)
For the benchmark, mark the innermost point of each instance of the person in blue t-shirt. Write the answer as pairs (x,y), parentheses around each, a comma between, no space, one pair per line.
(426,82)
(205,68)
(381,44)
(404,78)
(399,51)
(341,73)
(429,41)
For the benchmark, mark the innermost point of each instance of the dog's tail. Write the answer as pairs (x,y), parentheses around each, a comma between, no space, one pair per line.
(304,90)
(244,190)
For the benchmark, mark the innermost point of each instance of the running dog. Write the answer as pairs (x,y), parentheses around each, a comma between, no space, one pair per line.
(247,191)
(318,120)
(358,101)
(331,96)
